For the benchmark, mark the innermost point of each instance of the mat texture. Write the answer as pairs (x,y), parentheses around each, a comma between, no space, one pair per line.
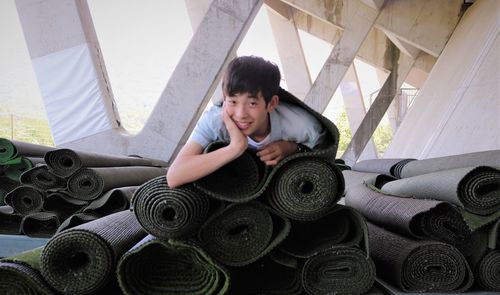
(418,266)
(20,275)
(65,162)
(76,220)
(82,260)
(170,213)
(155,266)
(338,270)
(242,233)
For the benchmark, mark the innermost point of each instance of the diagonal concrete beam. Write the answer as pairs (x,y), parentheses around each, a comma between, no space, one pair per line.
(402,66)
(361,21)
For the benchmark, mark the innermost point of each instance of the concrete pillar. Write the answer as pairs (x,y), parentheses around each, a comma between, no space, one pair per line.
(355,108)
(289,47)
(401,67)
(68,64)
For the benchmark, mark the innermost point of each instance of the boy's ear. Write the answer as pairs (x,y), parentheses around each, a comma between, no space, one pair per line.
(273,103)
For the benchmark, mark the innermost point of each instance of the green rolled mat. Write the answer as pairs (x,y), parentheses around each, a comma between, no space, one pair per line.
(41,178)
(338,270)
(20,275)
(484,158)
(305,189)
(170,212)
(77,219)
(382,166)
(9,149)
(114,200)
(40,224)
(243,232)
(155,266)
(240,180)
(82,260)
(90,183)
(14,171)
(10,222)
(476,189)
(418,266)
(342,226)
(61,203)
(416,218)
(266,276)
(65,162)
(25,199)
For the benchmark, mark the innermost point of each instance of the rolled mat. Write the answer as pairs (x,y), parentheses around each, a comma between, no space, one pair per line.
(40,224)
(170,212)
(82,260)
(9,149)
(266,276)
(155,266)
(243,233)
(14,171)
(65,162)
(342,226)
(114,200)
(41,178)
(63,204)
(425,166)
(418,266)
(476,189)
(382,166)
(25,199)
(90,183)
(417,218)
(305,188)
(10,222)
(76,220)
(20,274)
(338,270)
(240,180)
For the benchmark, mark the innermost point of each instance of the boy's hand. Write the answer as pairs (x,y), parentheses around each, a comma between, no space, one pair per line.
(239,141)
(276,151)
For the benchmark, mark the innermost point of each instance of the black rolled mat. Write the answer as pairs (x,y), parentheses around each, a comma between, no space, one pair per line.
(418,266)
(243,233)
(63,204)
(266,276)
(484,158)
(40,224)
(342,226)
(166,212)
(41,178)
(65,162)
(305,188)
(10,222)
(476,189)
(82,260)
(9,149)
(155,266)
(20,275)
(25,199)
(338,270)
(114,200)
(382,166)
(76,220)
(417,218)
(240,180)
(90,183)
(6,185)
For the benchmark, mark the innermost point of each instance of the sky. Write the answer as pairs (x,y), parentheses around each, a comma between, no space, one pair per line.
(141,44)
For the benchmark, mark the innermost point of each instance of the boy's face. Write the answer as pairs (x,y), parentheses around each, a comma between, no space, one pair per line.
(249,113)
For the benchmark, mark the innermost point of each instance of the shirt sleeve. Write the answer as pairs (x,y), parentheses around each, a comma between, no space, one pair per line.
(206,128)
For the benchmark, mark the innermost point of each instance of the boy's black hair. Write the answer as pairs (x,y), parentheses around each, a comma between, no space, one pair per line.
(251,74)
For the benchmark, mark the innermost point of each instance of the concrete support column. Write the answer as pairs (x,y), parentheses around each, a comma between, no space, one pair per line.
(355,108)
(289,47)
(402,65)
(68,63)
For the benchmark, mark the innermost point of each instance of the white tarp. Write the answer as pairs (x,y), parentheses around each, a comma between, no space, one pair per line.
(70,89)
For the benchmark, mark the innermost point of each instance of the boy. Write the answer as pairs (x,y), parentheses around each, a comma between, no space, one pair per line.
(250,116)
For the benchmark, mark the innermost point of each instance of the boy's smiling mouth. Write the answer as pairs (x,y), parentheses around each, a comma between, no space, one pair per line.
(243,125)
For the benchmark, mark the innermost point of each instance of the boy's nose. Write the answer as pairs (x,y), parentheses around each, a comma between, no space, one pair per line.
(241,112)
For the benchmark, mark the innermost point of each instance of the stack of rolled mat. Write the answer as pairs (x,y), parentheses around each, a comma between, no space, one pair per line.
(20,274)
(83,259)
(155,266)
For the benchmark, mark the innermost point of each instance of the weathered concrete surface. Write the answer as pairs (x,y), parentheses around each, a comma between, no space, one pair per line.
(458,108)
